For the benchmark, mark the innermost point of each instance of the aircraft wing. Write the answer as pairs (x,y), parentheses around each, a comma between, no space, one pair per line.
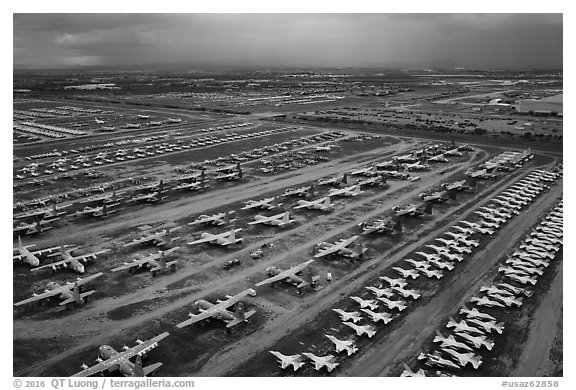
(212,237)
(198,317)
(86,257)
(332,249)
(142,240)
(285,274)
(134,263)
(85,280)
(111,364)
(54,265)
(45,295)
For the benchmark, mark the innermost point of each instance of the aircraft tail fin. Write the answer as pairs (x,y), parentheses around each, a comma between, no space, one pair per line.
(286,218)
(428,208)
(20,246)
(345,178)
(232,236)
(138,370)
(312,190)
(327,202)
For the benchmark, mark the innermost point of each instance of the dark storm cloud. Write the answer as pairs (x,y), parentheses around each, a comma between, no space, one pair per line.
(49,40)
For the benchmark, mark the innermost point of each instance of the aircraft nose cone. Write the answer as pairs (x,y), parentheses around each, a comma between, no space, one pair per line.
(35,262)
(81,269)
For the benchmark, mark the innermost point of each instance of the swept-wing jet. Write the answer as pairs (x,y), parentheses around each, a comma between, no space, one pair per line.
(450,342)
(219,310)
(429,256)
(375,317)
(381,292)
(436,359)
(340,247)
(436,196)
(456,186)
(156,262)
(409,373)
(431,273)
(414,294)
(327,361)
(417,166)
(372,181)
(477,341)
(438,158)
(400,282)
(353,316)
(156,238)
(296,361)
(289,275)
(507,300)
(485,301)
(515,290)
(281,219)
(365,302)
(418,264)
(318,204)
(399,304)
(111,360)
(69,261)
(28,257)
(265,204)
(361,330)
(343,345)
(474,313)
(223,239)
(465,358)
(351,191)
(488,326)
(462,326)
(406,272)
(69,293)
(366,171)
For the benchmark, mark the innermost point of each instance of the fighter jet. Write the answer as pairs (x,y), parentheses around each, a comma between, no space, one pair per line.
(515,290)
(429,256)
(477,341)
(431,273)
(406,272)
(343,345)
(417,166)
(265,204)
(318,204)
(288,276)
(365,302)
(474,313)
(488,326)
(296,361)
(69,292)
(380,292)
(436,359)
(111,360)
(361,330)
(381,316)
(155,238)
(339,247)
(366,171)
(414,294)
(219,310)
(465,358)
(399,304)
(418,264)
(69,261)
(462,326)
(351,191)
(353,316)
(449,342)
(442,264)
(400,282)
(327,361)
(437,196)
(409,373)
(24,255)
(223,239)
(281,219)
(438,158)
(453,256)
(155,262)
(507,300)
(485,301)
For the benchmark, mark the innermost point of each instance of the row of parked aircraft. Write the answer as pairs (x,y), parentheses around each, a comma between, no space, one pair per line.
(472,333)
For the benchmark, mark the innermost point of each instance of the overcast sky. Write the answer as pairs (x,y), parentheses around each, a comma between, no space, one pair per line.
(482,40)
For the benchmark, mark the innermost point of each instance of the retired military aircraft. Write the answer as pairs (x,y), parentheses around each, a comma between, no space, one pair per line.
(281,219)
(111,360)
(224,239)
(155,262)
(69,261)
(219,310)
(290,275)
